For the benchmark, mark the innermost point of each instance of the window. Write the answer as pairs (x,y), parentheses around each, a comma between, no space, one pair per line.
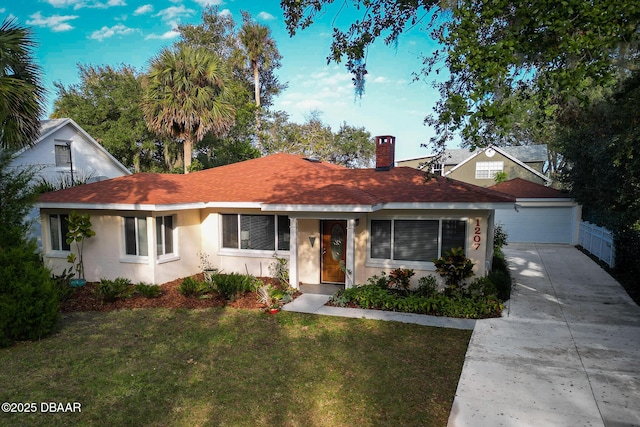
(415,240)
(58,228)
(436,169)
(488,170)
(255,232)
(164,235)
(135,236)
(63,155)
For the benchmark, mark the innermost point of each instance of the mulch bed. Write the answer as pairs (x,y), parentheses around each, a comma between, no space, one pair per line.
(85,299)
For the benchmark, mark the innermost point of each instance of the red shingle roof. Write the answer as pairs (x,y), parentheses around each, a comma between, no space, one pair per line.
(521,188)
(279,179)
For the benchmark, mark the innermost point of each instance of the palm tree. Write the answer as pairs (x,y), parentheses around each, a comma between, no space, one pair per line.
(185,96)
(259,49)
(21,92)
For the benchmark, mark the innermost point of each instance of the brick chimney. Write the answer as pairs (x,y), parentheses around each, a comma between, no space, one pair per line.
(385,152)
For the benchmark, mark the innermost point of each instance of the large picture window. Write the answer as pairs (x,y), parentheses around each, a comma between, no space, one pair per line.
(255,232)
(58,228)
(415,240)
(135,236)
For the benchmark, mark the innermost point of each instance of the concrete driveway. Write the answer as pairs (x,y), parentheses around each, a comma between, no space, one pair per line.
(565,353)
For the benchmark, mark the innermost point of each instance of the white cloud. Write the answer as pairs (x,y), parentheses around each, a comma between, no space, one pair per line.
(325,90)
(265,16)
(65,3)
(106,32)
(205,3)
(380,79)
(172,34)
(147,8)
(2,10)
(174,13)
(225,12)
(79,4)
(56,23)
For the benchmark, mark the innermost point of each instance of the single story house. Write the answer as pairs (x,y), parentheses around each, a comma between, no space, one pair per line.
(333,224)
(480,167)
(541,214)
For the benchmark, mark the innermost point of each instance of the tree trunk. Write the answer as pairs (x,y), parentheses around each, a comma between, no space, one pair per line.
(256,86)
(188,148)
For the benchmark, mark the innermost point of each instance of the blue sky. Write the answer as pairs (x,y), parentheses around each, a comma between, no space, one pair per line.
(115,32)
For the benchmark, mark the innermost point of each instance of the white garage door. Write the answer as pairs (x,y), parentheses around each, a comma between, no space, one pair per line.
(538,224)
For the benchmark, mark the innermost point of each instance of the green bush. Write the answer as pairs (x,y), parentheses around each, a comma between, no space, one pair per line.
(148,291)
(454,266)
(231,285)
(62,284)
(372,296)
(113,290)
(28,299)
(501,280)
(427,286)
(500,238)
(189,287)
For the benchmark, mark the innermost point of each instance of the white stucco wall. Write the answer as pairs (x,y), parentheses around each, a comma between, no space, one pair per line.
(477,251)
(104,253)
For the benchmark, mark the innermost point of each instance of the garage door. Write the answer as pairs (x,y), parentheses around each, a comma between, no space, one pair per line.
(538,224)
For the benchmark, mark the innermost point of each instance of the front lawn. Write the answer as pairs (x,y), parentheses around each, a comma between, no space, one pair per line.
(226,366)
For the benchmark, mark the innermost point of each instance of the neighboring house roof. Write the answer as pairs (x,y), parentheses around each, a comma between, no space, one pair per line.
(48,127)
(285,181)
(524,153)
(506,154)
(523,189)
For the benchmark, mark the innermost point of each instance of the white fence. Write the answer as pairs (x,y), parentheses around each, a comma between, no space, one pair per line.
(598,241)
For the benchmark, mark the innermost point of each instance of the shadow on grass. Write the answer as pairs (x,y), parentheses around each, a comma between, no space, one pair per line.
(235,367)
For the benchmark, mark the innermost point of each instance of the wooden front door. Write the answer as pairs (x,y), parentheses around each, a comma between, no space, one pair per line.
(334,250)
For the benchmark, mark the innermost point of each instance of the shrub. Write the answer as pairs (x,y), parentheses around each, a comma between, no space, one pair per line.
(229,286)
(462,306)
(501,280)
(400,278)
(189,287)
(500,237)
(148,291)
(113,290)
(28,299)
(454,267)
(381,281)
(62,284)
(280,270)
(427,286)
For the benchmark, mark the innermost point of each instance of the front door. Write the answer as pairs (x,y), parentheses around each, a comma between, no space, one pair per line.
(334,251)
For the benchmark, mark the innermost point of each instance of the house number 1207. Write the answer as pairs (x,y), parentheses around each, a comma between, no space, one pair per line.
(477,235)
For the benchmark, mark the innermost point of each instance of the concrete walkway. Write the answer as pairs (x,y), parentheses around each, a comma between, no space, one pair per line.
(566,352)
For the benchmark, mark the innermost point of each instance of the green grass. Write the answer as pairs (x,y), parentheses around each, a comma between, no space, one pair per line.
(229,367)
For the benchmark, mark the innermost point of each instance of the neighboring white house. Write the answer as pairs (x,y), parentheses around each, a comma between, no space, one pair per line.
(63,144)
(65,152)
(333,224)
(541,214)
